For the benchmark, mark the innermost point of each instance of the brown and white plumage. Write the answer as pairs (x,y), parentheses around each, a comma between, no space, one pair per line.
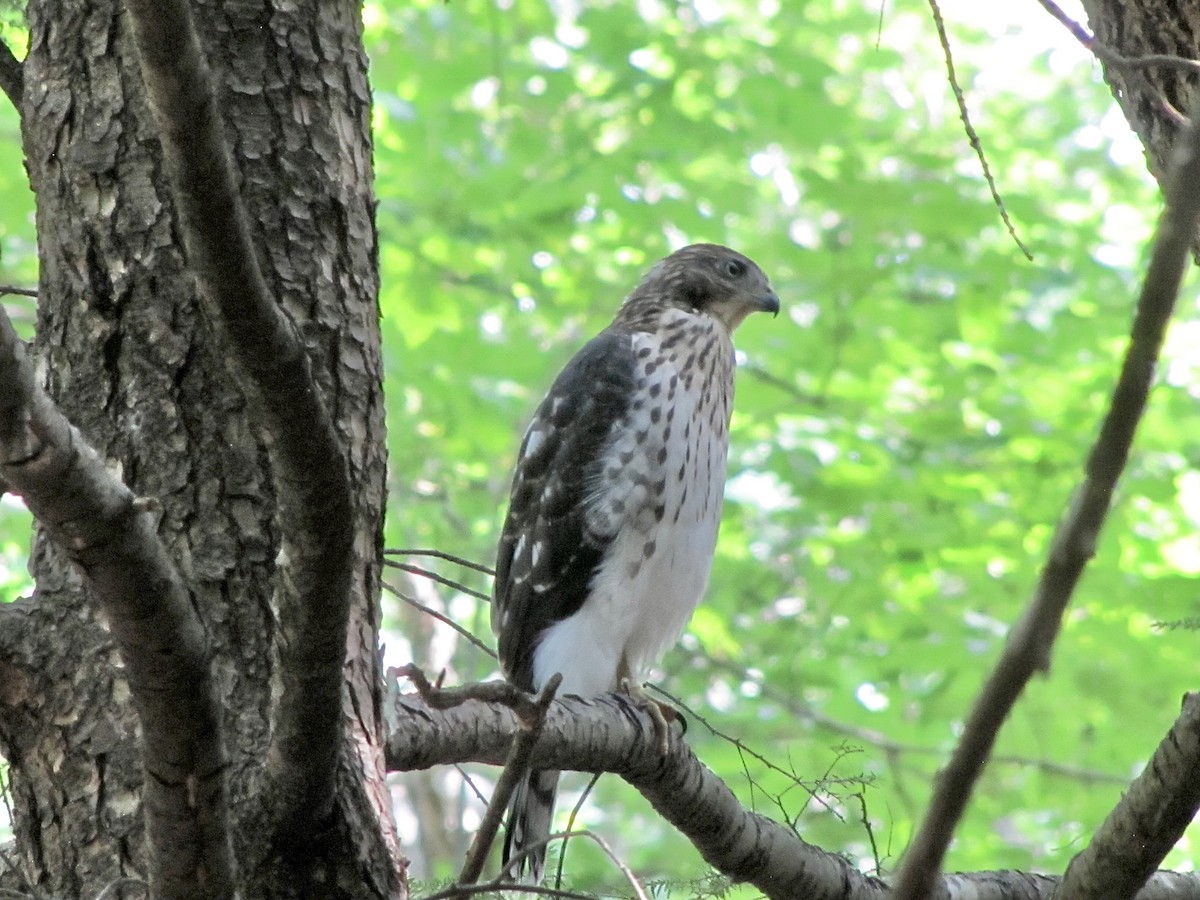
(616,499)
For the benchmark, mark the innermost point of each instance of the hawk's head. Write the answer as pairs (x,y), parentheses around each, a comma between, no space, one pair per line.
(707,278)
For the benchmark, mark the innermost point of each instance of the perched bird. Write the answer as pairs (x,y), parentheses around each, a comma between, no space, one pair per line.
(616,499)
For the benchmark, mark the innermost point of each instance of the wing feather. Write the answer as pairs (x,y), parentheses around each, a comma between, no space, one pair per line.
(547,553)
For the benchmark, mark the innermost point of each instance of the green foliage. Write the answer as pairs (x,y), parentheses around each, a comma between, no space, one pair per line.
(907,433)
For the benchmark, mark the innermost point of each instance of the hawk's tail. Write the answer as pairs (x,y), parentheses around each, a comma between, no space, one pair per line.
(529,816)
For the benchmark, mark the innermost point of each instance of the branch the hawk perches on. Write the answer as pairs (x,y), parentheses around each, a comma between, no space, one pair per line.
(616,499)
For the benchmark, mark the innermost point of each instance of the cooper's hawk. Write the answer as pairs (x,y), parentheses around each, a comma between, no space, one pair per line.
(617,496)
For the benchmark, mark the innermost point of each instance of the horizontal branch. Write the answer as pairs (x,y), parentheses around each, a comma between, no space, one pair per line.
(99,525)
(608,734)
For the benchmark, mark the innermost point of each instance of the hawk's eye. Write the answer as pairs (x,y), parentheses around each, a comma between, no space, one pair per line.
(735,268)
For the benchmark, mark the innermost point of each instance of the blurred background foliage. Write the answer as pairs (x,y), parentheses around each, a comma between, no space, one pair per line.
(906,433)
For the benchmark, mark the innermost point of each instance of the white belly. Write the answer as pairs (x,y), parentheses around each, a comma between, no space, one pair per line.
(657,567)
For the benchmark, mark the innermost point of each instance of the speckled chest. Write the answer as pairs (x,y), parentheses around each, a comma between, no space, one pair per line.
(655,501)
(663,470)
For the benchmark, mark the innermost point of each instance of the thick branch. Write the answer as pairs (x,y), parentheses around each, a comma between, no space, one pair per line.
(12,76)
(315,511)
(103,529)
(1029,645)
(1146,823)
(607,734)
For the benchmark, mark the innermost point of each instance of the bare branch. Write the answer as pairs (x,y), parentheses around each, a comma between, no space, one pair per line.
(1133,66)
(12,289)
(610,734)
(515,769)
(889,746)
(562,855)
(745,749)
(1029,644)
(1148,820)
(107,533)
(430,611)
(972,135)
(12,76)
(1112,57)
(639,892)
(440,579)
(441,554)
(312,475)
(762,375)
(501,887)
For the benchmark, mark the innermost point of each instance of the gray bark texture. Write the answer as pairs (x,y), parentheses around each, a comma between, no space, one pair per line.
(130,356)
(1152,97)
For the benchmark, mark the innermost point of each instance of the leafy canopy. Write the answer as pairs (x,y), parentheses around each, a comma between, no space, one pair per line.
(906,433)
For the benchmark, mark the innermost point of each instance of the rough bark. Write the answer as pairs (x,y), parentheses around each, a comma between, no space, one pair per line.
(1152,98)
(109,535)
(129,355)
(1147,822)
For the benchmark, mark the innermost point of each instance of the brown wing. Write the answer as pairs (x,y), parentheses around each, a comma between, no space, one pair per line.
(547,553)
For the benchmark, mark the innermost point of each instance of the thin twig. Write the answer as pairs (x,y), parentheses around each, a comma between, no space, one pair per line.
(1133,65)
(11,289)
(575,810)
(759,373)
(1028,648)
(488,887)
(442,554)
(638,891)
(1112,57)
(441,617)
(972,136)
(12,76)
(866,824)
(438,697)
(470,782)
(742,747)
(877,739)
(434,576)
(515,769)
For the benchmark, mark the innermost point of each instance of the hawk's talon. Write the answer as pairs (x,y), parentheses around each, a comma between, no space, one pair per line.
(659,714)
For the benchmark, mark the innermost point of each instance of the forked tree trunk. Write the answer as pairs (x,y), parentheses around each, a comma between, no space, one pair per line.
(132,360)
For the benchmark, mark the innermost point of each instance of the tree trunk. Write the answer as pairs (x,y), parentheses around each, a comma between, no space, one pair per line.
(131,358)
(1153,98)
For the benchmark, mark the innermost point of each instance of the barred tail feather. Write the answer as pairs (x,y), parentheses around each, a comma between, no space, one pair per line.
(529,817)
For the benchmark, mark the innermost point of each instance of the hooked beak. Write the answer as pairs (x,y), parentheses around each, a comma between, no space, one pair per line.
(734,310)
(768,302)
